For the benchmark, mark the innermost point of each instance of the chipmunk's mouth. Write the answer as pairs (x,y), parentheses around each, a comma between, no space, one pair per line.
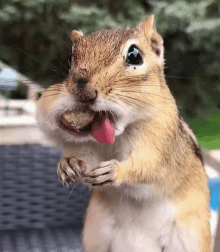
(83,123)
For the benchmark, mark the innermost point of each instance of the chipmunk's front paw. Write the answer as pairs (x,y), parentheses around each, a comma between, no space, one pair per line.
(102,175)
(69,169)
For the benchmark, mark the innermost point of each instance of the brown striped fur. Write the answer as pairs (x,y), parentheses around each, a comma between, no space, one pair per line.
(156,147)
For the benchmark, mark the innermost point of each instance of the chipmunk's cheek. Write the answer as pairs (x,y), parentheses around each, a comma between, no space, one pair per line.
(119,129)
(121,124)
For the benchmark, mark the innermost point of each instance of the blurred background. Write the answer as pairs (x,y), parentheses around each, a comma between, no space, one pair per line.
(34,40)
(34,51)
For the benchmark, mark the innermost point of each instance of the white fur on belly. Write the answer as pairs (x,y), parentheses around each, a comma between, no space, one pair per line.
(136,226)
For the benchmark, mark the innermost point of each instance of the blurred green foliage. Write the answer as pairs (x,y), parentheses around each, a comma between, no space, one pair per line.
(34,39)
(208,131)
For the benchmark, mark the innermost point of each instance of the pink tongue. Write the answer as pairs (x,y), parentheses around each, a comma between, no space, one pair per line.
(103,131)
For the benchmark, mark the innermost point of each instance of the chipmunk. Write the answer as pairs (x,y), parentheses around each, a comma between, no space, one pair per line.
(121,133)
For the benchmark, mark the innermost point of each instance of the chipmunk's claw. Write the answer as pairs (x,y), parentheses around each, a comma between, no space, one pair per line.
(70,169)
(102,175)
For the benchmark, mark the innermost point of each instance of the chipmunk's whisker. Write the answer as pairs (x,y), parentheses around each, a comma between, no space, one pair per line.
(129,100)
(45,96)
(145,92)
(176,64)
(54,57)
(61,73)
(113,99)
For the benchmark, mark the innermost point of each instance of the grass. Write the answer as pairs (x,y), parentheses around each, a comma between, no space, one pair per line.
(208,132)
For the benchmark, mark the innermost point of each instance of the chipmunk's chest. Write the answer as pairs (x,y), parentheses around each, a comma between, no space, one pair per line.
(93,154)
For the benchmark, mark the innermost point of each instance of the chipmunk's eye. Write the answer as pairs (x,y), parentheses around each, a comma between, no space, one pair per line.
(134,56)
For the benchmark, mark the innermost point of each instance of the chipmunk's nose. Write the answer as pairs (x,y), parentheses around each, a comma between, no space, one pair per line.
(86,93)
(88,96)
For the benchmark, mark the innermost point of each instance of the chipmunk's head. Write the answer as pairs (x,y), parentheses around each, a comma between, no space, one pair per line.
(116,77)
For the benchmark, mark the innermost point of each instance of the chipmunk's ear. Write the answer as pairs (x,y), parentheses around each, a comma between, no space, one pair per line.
(149,29)
(75,35)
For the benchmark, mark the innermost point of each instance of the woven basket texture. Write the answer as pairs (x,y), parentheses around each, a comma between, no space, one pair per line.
(34,204)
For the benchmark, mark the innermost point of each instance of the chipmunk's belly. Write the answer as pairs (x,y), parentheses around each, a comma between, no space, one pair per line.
(141,227)
(134,239)
(128,225)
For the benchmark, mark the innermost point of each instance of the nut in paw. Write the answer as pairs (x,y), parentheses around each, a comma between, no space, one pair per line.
(102,175)
(70,169)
